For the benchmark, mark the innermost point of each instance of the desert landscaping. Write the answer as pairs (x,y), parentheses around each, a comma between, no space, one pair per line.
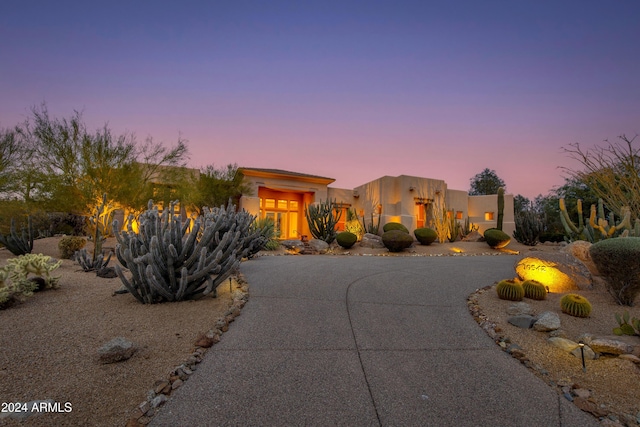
(50,342)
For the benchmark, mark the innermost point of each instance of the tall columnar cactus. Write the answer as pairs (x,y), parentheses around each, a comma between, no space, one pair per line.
(528,228)
(19,244)
(97,234)
(322,220)
(599,226)
(169,263)
(500,208)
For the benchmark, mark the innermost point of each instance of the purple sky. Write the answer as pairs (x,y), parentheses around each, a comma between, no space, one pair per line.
(344,89)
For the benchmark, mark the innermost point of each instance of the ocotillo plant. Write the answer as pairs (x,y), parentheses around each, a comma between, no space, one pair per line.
(19,244)
(169,263)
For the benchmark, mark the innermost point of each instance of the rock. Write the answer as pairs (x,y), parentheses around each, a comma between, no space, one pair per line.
(547,321)
(160,385)
(631,357)
(563,344)
(474,236)
(116,350)
(580,250)
(293,246)
(581,392)
(560,271)
(610,346)
(158,400)
(107,273)
(589,406)
(177,383)
(589,354)
(320,246)
(523,321)
(371,241)
(519,308)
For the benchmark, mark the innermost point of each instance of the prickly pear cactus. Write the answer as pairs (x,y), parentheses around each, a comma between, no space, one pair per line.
(169,261)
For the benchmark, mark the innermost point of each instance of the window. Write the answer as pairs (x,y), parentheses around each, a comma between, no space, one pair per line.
(270,203)
(459,215)
(282,204)
(488,216)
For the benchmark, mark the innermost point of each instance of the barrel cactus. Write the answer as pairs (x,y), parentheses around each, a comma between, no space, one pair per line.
(169,263)
(510,290)
(534,290)
(346,239)
(575,305)
(617,262)
(396,240)
(425,236)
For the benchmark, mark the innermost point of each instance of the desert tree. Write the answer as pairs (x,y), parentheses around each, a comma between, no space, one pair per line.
(485,183)
(611,171)
(216,186)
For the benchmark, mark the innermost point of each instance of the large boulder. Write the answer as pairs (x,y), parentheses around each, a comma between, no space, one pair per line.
(474,236)
(320,246)
(580,250)
(371,241)
(295,246)
(561,272)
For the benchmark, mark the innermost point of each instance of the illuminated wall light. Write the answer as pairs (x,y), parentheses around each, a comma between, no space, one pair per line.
(488,216)
(456,250)
(545,272)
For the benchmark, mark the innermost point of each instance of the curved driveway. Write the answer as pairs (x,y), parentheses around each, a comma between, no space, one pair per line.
(365,341)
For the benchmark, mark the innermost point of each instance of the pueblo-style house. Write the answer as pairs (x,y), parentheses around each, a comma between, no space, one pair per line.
(410,200)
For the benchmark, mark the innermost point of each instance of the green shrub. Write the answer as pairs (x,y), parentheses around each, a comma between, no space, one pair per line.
(617,262)
(495,238)
(394,226)
(346,239)
(68,246)
(425,236)
(396,240)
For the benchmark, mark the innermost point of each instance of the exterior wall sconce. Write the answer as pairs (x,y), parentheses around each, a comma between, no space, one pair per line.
(356,194)
(379,209)
(411,188)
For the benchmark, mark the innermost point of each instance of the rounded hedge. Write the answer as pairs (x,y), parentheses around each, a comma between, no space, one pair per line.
(617,261)
(495,238)
(346,239)
(394,226)
(425,236)
(396,240)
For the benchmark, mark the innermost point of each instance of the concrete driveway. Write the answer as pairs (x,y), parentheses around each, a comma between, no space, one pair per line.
(365,341)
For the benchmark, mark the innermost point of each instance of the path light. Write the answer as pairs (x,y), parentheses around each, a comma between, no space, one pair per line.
(545,272)
(456,249)
(584,366)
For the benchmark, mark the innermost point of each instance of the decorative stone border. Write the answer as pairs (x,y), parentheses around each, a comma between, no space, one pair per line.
(580,397)
(162,388)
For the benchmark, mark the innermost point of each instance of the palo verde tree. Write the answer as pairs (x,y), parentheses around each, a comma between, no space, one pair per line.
(485,183)
(216,186)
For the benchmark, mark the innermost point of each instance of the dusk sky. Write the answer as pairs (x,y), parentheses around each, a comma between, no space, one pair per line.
(348,90)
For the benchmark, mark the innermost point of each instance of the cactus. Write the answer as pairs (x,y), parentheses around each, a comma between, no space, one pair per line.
(90,264)
(264,229)
(99,229)
(69,245)
(19,244)
(598,226)
(322,220)
(38,264)
(528,228)
(500,208)
(575,305)
(534,290)
(626,326)
(169,263)
(372,229)
(510,290)
(353,225)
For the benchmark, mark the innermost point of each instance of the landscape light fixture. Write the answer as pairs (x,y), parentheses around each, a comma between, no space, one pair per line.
(584,366)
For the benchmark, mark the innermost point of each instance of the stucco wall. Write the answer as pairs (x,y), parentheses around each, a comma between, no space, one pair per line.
(479,205)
